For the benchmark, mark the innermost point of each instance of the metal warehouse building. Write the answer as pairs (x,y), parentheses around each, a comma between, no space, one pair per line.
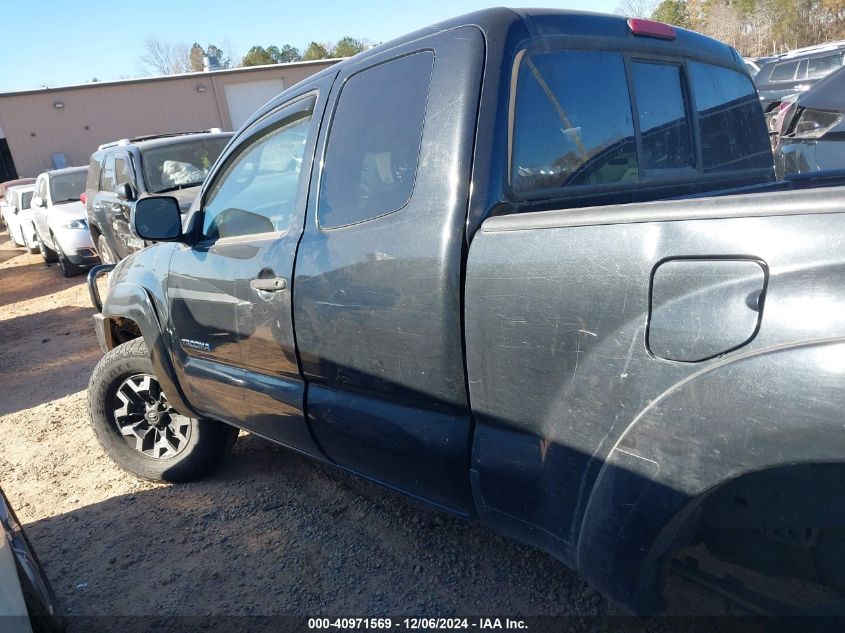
(55,127)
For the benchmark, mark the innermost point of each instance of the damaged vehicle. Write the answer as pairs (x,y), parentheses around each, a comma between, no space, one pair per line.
(530,266)
(124,171)
(810,129)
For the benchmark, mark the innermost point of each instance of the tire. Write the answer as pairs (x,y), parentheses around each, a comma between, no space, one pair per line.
(69,269)
(123,394)
(107,255)
(14,238)
(32,248)
(47,253)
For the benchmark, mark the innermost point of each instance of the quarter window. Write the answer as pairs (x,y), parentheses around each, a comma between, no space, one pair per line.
(121,170)
(821,66)
(257,192)
(784,71)
(572,122)
(663,116)
(107,179)
(374,141)
(731,121)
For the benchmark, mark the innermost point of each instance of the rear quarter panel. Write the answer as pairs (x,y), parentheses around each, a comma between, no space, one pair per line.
(561,377)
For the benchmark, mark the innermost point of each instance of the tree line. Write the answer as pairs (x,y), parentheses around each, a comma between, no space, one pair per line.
(753,27)
(167,58)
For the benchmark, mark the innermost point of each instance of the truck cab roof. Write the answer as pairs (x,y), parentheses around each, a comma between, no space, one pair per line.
(581,24)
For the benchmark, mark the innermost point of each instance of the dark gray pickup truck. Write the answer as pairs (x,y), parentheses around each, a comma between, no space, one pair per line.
(529,266)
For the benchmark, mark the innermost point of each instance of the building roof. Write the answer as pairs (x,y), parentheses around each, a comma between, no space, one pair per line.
(192,75)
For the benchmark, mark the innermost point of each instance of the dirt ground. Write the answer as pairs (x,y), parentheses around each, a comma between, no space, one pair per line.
(270,532)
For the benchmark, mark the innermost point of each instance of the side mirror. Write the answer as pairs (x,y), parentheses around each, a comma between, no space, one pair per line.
(38,201)
(157,218)
(124,192)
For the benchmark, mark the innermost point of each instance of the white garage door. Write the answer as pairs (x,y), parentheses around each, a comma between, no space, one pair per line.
(244,99)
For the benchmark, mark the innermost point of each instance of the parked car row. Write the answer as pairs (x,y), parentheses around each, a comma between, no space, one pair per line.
(15,208)
(795,71)
(79,216)
(48,216)
(801,93)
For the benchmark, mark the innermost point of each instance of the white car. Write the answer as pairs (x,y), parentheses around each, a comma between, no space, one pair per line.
(61,224)
(18,216)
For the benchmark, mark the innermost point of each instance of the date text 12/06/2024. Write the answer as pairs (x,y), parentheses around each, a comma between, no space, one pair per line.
(412,624)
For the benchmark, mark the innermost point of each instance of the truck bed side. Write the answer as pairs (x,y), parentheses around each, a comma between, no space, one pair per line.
(624,360)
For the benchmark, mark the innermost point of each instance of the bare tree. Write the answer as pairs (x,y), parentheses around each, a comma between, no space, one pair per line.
(166,58)
(636,8)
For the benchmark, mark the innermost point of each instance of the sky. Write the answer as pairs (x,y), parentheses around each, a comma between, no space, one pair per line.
(57,43)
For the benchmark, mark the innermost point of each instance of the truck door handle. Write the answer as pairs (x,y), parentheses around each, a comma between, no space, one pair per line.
(274,284)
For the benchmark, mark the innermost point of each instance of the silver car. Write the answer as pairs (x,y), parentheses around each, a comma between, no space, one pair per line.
(61,224)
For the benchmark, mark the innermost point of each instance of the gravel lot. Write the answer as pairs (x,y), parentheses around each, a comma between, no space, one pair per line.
(268,533)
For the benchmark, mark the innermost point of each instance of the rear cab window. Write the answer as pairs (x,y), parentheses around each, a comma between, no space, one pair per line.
(733,130)
(601,121)
(373,148)
(664,116)
(564,135)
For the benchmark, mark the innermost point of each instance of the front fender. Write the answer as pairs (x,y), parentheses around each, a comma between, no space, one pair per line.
(772,407)
(133,302)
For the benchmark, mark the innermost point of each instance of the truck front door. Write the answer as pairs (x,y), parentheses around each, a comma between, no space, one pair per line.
(230,291)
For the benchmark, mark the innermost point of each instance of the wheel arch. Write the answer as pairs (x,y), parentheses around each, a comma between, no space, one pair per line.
(757,412)
(95,232)
(129,311)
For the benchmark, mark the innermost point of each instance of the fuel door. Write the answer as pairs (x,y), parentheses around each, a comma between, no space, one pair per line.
(703,308)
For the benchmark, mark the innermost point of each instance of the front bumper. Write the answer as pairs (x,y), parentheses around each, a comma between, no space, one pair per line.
(103,332)
(93,290)
(103,335)
(83,257)
(77,246)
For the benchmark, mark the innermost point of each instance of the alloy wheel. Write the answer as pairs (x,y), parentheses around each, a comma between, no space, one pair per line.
(147,421)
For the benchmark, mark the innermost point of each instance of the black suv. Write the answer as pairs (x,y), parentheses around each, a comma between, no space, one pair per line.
(124,171)
(797,71)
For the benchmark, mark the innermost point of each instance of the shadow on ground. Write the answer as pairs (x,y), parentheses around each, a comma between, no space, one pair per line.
(272,533)
(46,356)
